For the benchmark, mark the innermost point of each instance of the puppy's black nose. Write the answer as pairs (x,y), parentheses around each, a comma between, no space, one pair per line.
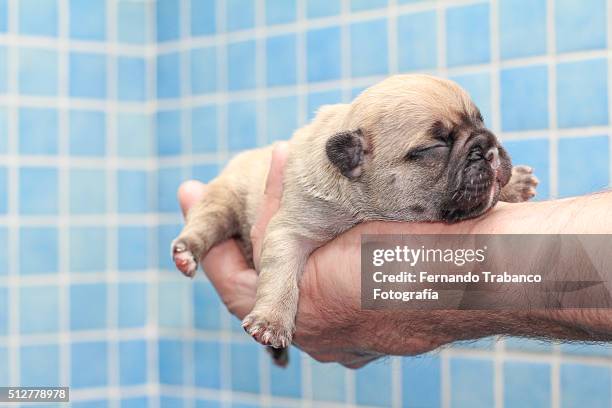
(492,157)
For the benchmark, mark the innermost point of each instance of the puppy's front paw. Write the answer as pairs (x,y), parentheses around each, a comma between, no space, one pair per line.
(522,185)
(269,330)
(184,260)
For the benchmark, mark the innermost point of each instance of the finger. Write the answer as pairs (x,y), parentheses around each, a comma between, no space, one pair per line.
(231,276)
(274,182)
(189,193)
(272,196)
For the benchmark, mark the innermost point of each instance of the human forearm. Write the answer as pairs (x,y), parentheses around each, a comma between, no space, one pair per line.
(413,332)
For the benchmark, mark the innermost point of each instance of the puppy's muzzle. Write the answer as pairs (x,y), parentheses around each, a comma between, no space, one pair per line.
(478,179)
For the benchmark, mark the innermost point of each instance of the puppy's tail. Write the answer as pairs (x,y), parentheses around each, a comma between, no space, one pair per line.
(280,356)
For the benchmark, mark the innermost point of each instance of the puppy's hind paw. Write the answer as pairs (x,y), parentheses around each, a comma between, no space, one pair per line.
(269,332)
(184,259)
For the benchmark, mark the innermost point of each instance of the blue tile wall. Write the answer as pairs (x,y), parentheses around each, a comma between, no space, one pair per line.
(281,60)
(242,125)
(37,182)
(87,75)
(281,118)
(89,364)
(244,363)
(582,96)
(373,384)
(88,20)
(526,384)
(421,382)
(3,130)
(206,307)
(322,8)
(4,318)
(280,11)
(87,133)
(170,361)
(172,314)
(38,250)
(4,190)
(580,25)
(133,191)
(330,382)
(287,382)
(168,128)
(88,306)
(203,17)
(240,14)
(38,17)
(168,69)
(207,361)
(3,15)
(524,98)
(42,302)
(132,362)
(584,385)
(38,131)
(131,84)
(204,129)
(467,376)
(521,33)
(203,70)
(133,247)
(110,105)
(3,69)
(167,14)
(468,35)
(88,249)
(4,251)
(38,73)
(241,70)
(322,54)
(369,54)
(417,41)
(578,154)
(132,22)
(39,365)
(132,308)
(133,135)
(87,191)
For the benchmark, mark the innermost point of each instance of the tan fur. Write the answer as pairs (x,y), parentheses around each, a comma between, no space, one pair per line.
(319,202)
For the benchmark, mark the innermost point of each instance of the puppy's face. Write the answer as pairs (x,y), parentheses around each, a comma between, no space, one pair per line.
(420,151)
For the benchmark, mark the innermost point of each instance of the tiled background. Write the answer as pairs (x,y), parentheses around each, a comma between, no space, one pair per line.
(105,106)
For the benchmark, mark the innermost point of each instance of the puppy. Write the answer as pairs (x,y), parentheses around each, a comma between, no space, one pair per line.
(411,148)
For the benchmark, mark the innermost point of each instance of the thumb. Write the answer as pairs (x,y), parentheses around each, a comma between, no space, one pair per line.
(189,193)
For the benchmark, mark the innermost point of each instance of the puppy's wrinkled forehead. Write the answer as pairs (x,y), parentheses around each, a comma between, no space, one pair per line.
(412,105)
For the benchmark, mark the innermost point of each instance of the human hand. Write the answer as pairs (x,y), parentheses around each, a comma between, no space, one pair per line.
(322,319)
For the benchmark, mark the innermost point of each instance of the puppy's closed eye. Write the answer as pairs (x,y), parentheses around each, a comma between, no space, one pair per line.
(426,151)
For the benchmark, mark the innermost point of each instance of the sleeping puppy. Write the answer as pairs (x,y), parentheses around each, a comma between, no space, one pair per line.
(410,148)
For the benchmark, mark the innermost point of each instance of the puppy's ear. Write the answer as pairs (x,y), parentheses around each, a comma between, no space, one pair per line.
(347,151)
